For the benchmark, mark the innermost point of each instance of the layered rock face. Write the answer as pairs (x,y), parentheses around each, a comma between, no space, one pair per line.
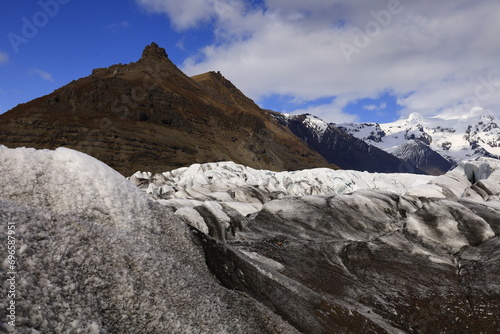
(148,115)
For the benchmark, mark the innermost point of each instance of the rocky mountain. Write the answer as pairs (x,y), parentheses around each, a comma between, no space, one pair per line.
(423,157)
(225,248)
(148,115)
(454,138)
(343,149)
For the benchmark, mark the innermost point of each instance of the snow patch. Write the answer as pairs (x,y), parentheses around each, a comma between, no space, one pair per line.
(318,126)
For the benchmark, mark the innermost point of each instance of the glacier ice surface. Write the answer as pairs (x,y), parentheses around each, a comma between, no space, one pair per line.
(97,255)
(100,253)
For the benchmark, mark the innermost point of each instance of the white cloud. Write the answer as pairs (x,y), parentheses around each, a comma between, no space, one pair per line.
(373,107)
(42,74)
(183,13)
(119,25)
(330,112)
(181,44)
(4,58)
(431,55)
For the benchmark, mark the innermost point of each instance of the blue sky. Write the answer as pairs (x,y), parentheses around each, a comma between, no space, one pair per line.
(341,60)
(83,35)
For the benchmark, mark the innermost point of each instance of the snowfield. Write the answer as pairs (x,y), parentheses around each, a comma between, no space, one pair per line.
(223,248)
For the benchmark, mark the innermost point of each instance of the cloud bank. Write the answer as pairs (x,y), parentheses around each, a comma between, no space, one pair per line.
(433,57)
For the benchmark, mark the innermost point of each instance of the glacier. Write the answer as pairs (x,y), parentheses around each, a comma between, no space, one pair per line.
(381,253)
(230,182)
(96,255)
(224,248)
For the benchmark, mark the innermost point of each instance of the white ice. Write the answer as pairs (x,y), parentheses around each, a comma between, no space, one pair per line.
(99,256)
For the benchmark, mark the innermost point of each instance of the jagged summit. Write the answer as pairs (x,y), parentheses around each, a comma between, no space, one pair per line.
(211,74)
(153,51)
(154,62)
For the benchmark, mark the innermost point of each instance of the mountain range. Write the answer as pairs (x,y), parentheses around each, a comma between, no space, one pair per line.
(434,144)
(148,115)
(340,147)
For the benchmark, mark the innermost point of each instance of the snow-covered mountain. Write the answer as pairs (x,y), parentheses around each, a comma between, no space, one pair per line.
(342,149)
(454,137)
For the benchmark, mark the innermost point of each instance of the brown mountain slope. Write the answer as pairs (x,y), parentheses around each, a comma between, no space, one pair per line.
(148,115)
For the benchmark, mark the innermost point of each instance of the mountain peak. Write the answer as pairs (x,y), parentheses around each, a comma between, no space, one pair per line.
(415,117)
(153,51)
